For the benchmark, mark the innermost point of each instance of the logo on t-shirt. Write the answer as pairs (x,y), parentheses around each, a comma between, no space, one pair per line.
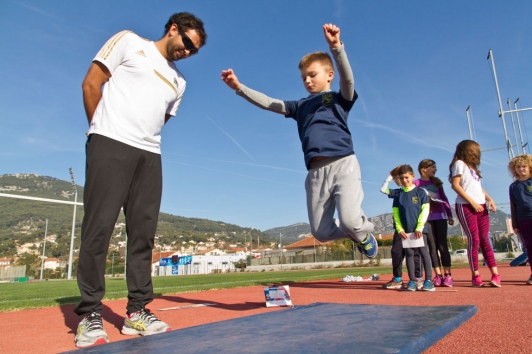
(474,174)
(529,189)
(326,99)
(141,53)
(415,200)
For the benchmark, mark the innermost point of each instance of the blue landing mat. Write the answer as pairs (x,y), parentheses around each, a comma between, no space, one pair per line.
(316,328)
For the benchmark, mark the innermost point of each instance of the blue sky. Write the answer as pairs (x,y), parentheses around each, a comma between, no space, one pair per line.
(417,65)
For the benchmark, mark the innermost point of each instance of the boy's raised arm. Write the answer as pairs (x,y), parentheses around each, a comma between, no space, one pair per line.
(228,76)
(384,187)
(347,81)
(257,98)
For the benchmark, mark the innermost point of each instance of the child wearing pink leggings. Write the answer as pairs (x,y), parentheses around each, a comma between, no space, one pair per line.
(472,203)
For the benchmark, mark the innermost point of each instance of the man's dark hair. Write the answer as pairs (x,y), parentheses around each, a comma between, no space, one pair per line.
(186,21)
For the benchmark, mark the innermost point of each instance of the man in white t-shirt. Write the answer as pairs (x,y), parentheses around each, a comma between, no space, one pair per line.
(131,90)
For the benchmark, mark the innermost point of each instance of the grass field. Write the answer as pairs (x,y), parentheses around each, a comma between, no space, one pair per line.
(20,296)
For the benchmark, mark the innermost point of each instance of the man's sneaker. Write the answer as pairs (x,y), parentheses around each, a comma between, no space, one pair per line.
(368,246)
(419,283)
(428,285)
(448,281)
(495,281)
(145,323)
(90,331)
(392,284)
(412,285)
(438,280)
(529,281)
(477,281)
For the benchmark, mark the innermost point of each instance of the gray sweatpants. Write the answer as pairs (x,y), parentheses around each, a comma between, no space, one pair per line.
(335,184)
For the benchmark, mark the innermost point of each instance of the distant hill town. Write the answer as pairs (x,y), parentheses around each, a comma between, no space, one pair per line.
(384,226)
(22,224)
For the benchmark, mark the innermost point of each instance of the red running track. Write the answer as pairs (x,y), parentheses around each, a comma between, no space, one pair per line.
(502,324)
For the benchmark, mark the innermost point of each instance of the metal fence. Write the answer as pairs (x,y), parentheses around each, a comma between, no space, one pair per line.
(12,273)
(312,257)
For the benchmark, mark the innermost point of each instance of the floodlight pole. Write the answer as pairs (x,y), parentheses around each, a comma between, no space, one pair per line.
(73,225)
(501,111)
(44,248)
(314,239)
(469,122)
(513,125)
(281,247)
(523,144)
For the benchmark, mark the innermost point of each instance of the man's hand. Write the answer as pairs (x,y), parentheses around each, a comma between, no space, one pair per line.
(332,35)
(228,76)
(403,235)
(418,234)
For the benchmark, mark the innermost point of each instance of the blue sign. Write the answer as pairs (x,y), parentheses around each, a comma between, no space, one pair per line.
(163,262)
(183,260)
(174,269)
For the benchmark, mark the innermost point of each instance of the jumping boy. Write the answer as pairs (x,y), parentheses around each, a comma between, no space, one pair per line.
(410,213)
(333,180)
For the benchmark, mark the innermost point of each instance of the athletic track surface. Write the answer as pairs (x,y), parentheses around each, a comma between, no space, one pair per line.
(502,325)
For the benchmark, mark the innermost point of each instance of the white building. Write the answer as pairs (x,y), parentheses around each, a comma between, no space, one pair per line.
(202,264)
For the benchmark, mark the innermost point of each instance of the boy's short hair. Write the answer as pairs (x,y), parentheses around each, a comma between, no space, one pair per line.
(524,159)
(404,169)
(320,57)
(395,172)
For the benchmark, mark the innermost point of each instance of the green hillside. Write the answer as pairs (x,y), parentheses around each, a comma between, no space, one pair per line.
(23,221)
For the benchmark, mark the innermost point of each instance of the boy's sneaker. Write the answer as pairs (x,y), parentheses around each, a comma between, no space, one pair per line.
(438,280)
(145,323)
(419,283)
(495,281)
(90,331)
(412,285)
(448,281)
(477,281)
(392,284)
(428,285)
(368,246)
(529,281)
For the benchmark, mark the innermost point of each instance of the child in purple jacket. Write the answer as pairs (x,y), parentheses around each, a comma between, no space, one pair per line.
(440,215)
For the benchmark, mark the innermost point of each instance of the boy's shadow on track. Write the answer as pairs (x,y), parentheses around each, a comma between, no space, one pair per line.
(361,285)
(245,306)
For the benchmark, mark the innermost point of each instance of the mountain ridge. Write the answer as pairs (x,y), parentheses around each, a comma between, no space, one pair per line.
(20,223)
(23,221)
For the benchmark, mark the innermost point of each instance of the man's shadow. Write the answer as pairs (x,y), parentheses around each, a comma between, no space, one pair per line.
(72,319)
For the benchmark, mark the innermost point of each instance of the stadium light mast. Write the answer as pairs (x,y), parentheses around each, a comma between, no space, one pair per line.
(469,122)
(513,126)
(501,111)
(44,248)
(509,145)
(75,189)
(523,144)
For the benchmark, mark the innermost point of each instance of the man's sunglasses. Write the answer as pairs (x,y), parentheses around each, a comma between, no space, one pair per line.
(187,41)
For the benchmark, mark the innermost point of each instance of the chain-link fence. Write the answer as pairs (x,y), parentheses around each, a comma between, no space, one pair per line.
(313,257)
(13,273)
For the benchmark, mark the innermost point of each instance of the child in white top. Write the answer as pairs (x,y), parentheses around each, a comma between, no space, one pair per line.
(472,203)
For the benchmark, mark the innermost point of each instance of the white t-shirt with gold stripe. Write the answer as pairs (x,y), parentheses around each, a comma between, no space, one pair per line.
(143,88)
